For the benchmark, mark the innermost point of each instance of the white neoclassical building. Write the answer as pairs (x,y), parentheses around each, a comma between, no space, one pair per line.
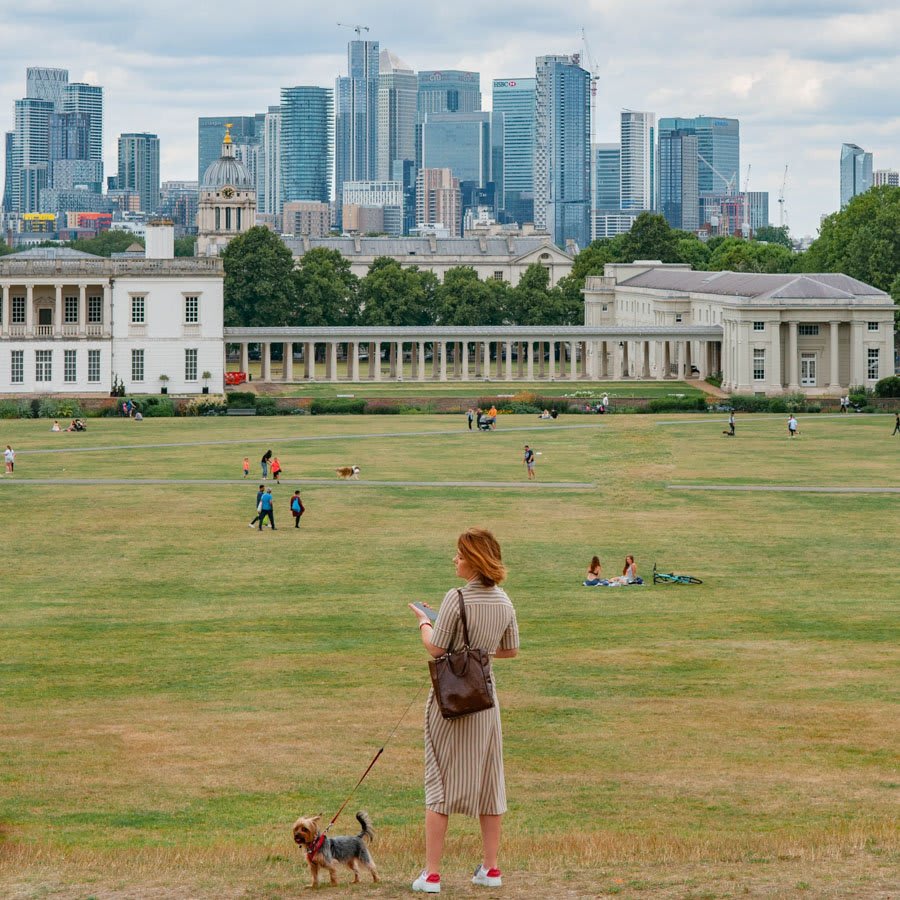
(71,323)
(818,334)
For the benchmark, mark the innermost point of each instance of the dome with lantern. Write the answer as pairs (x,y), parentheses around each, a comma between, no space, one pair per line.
(227,170)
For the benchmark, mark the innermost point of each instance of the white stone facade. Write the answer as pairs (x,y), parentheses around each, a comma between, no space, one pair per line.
(70,323)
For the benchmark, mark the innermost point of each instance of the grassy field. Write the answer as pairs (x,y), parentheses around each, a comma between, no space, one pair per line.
(176,688)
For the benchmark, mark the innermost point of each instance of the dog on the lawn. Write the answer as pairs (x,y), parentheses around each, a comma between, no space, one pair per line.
(347,472)
(348,849)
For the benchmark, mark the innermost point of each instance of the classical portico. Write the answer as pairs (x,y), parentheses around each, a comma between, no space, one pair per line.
(502,353)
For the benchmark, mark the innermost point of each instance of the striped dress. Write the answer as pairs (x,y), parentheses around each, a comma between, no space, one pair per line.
(464,757)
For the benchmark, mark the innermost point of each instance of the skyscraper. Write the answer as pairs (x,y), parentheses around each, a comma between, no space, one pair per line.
(268,193)
(856,172)
(30,161)
(514,98)
(307,143)
(356,117)
(562,152)
(438,200)
(139,168)
(718,150)
(445,90)
(398,89)
(889,177)
(608,169)
(679,191)
(639,177)
(47,84)
(87,99)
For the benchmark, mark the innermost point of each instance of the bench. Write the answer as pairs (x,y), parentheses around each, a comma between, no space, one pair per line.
(239,411)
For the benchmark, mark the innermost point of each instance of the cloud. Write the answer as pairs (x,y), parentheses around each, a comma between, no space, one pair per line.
(802,76)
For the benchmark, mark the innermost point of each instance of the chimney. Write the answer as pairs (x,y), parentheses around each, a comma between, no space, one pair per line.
(159,239)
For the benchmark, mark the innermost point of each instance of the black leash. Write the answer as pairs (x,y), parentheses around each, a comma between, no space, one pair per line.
(321,838)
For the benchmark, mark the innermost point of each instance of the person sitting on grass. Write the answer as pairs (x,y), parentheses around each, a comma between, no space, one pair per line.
(592,579)
(545,414)
(629,573)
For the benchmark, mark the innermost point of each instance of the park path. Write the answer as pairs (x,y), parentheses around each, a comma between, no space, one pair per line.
(785,488)
(344,484)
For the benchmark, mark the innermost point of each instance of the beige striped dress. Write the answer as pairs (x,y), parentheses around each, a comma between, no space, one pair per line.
(464,757)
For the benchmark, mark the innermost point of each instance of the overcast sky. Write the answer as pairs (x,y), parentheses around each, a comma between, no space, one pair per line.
(802,76)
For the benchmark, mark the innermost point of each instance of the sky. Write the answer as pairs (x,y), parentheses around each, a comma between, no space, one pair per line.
(802,77)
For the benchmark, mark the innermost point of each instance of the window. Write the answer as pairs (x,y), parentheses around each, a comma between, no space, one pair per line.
(17,366)
(137,310)
(18,311)
(95,310)
(191,310)
(70,313)
(498,275)
(873,326)
(228,218)
(43,365)
(759,326)
(190,365)
(808,330)
(759,365)
(873,363)
(69,366)
(93,365)
(137,365)
(218,220)
(678,318)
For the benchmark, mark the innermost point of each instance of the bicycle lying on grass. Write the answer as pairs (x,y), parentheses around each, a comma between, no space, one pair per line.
(672,578)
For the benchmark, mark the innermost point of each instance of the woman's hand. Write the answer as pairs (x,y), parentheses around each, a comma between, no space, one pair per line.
(418,612)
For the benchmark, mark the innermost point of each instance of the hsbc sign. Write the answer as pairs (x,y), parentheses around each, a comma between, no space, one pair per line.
(505,83)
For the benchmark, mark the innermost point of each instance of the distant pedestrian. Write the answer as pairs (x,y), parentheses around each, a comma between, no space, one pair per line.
(9,457)
(276,469)
(297,508)
(845,404)
(896,424)
(124,409)
(605,401)
(529,462)
(129,406)
(470,417)
(792,426)
(267,508)
(55,425)
(264,463)
(730,431)
(258,507)
(246,466)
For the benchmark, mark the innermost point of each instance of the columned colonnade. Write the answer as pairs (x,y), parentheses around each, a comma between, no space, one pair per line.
(499,354)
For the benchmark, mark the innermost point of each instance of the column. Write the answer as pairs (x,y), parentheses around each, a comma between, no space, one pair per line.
(520,359)
(287,366)
(245,356)
(486,360)
(551,359)
(530,362)
(398,360)
(331,360)
(703,363)
(29,308)
(464,361)
(57,312)
(857,354)
(573,360)
(443,363)
(498,369)
(542,363)
(375,360)
(413,359)
(457,360)
(106,325)
(309,361)
(5,311)
(420,360)
(834,381)
(265,364)
(688,359)
(353,360)
(82,308)
(793,358)
(508,369)
(773,365)
(645,359)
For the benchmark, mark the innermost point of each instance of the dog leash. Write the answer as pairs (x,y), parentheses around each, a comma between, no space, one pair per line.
(321,838)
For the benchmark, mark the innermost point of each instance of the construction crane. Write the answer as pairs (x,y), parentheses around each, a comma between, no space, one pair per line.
(595,78)
(782,214)
(729,182)
(745,225)
(359,29)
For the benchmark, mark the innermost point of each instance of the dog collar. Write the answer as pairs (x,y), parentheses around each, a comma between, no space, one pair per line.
(313,848)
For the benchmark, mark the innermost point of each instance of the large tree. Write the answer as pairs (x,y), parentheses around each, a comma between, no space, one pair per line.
(106,243)
(771,234)
(650,237)
(464,299)
(393,295)
(259,281)
(862,240)
(736,255)
(327,291)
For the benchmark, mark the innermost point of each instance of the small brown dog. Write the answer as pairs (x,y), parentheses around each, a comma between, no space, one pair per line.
(347,472)
(329,852)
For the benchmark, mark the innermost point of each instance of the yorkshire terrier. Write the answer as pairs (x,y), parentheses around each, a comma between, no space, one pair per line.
(347,849)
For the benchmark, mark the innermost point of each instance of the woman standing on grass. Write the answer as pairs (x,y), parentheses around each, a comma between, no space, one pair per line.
(264,463)
(9,457)
(464,756)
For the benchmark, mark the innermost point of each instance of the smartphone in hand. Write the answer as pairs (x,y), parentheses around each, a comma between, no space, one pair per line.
(431,613)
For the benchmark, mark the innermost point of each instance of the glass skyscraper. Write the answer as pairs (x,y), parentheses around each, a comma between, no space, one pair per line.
(398,89)
(608,194)
(445,90)
(515,99)
(679,191)
(639,175)
(718,150)
(562,151)
(356,117)
(856,172)
(88,99)
(307,143)
(139,168)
